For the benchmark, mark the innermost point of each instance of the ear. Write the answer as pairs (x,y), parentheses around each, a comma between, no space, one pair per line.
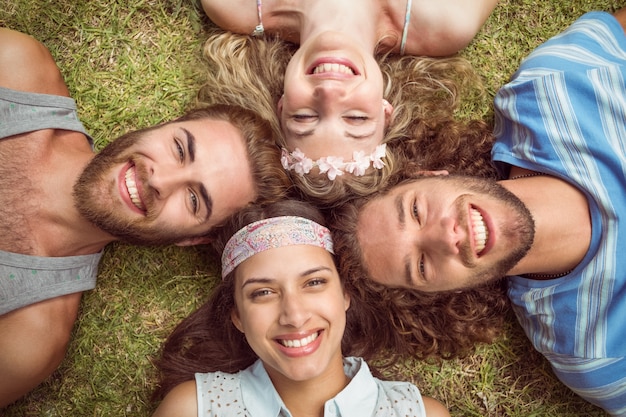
(191,241)
(346,301)
(279,106)
(388,110)
(234,317)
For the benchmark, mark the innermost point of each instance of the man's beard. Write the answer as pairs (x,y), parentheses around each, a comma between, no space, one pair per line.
(523,227)
(93,197)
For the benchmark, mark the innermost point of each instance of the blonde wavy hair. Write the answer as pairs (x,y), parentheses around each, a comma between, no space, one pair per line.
(425,93)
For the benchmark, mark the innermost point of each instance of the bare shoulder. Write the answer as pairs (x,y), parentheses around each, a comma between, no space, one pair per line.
(179,402)
(239,16)
(434,408)
(446,26)
(27,65)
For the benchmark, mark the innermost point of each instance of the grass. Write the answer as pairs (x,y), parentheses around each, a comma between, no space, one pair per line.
(134,63)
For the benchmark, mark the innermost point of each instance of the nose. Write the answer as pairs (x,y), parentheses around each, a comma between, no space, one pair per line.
(329,90)
(444,236)
(164,180)
(294,312)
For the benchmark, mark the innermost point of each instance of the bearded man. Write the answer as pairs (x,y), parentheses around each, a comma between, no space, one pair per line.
(554,225)
(61,203)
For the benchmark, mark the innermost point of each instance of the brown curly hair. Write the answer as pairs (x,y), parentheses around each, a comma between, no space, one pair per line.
(410,322)
(447,324)
(425,92)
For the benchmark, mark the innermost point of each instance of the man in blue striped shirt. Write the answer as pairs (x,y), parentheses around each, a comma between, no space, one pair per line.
(554,226)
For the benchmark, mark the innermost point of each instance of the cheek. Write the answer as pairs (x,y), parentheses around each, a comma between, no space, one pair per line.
(255,324)
(337,313)
(292,144)
(174,212)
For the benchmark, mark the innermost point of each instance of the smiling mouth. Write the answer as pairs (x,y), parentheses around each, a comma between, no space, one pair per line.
(480,231)
(297,343)
(131,186)
(328,67)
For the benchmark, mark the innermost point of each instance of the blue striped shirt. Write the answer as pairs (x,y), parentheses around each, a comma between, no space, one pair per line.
(564,114)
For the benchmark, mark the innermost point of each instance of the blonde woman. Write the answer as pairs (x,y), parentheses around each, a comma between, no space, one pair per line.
(347,100)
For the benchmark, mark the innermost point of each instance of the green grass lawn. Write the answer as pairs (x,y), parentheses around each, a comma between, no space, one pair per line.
(133,63)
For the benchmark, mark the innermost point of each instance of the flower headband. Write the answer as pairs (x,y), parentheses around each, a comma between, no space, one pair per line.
(333,166)
(271,233)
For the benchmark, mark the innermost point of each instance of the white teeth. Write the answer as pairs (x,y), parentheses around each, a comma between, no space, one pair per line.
(132,190)
(333,67)
(299,342)
(480,230)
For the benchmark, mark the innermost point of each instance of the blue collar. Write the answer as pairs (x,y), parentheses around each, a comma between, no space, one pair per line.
(357,399)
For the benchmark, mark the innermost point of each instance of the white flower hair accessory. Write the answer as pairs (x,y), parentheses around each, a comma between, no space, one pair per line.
(334,166)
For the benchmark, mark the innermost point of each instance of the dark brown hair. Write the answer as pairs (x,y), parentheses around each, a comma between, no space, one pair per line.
(207,340)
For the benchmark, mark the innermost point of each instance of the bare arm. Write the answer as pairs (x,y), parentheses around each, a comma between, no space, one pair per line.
(238,16)
(434,408)
(447,26)
(26,65)
(179,402)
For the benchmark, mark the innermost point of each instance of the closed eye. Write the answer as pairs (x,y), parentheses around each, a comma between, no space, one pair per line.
(415,211)
(357,119)
(304,117)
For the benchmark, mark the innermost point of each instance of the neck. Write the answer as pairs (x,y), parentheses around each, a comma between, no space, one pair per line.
(562,224)
(307,398)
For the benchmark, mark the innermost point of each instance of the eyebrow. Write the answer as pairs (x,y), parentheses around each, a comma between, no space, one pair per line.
(408,275)
(345,133)
(256,281)
(208,201)
(400,210)
(204,193)
(301,275)
(191,144)
(402,222)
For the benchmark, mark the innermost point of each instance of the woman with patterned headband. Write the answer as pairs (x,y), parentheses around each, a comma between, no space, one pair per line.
(271,339)
(346,98)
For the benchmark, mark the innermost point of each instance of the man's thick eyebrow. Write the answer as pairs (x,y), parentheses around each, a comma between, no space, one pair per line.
(204,193)
(400,210)
(191,144)
(401,221)
(408,276)
(208,201)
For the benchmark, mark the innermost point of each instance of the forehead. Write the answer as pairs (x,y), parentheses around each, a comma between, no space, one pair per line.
(382,231)
(212,132)
(378,223)
(221,160)
(285,262)
(381,239)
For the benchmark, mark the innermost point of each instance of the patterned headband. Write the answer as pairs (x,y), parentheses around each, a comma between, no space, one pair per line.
(334,166)
(274,232)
